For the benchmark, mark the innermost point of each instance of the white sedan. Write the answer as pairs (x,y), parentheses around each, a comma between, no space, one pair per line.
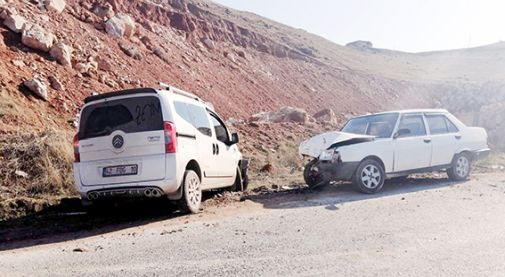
(374,147)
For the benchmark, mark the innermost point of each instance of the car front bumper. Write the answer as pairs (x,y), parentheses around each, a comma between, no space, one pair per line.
(337,170)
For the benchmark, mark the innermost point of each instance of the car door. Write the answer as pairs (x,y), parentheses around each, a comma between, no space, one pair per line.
(225,153)
(412,146)
(204,140)
(444,138)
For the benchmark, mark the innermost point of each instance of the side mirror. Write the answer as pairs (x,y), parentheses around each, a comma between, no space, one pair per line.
(234,139)
(401,133)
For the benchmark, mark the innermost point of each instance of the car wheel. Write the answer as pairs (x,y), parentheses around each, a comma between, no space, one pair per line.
(191,193)
(461,167)
(369,176)
(311,174)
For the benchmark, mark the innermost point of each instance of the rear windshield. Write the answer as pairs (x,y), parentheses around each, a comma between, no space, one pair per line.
(130,115)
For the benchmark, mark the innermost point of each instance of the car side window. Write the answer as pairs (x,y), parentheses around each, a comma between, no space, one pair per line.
(450,126)
(181,109)
(440,124)
(220,129)
(412,126)
(437,124)
(199,119)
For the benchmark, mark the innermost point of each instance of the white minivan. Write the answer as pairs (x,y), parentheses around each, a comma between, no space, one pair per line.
(154,143)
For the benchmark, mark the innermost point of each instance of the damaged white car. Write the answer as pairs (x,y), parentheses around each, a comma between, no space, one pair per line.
(372,148)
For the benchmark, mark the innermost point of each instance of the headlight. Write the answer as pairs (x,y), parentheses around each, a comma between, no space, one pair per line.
(329,155)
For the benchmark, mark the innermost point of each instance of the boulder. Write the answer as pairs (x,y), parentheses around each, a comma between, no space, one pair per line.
(36,37)
(62,53)
(15,23)
(37,87)
(326,116)
(56,6)
(208,43)
(120,25)
(285,114)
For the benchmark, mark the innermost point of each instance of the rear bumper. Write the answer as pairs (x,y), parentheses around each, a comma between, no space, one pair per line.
(481,154)
(166,186)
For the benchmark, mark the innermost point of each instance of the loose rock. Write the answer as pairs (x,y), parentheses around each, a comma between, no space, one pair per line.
(37,87)
(62,53)
(56,84)
(56,6)
(15,23)
(120,25)
(36,37)
(131,50)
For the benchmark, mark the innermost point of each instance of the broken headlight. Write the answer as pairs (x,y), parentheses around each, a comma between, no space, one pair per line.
(329,155)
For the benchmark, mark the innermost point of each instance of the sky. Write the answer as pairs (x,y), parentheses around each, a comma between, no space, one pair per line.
(406,25)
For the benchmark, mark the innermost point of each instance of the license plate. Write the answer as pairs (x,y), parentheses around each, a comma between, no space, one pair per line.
(122,170)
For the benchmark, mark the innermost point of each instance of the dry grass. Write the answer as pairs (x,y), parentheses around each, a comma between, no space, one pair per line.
(35,169)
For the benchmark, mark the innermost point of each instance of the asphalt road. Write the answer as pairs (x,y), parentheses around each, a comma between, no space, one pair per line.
(423,228)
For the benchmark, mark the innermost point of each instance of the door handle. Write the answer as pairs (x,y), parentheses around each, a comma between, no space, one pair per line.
(217,149)
(213,149)
(458,136)
(427,140)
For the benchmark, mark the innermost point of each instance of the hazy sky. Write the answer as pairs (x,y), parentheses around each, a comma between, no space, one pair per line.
(408,25)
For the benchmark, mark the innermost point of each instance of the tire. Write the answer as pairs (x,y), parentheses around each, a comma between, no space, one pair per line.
(312,176)
(461,167)
(191,193)
(369,177)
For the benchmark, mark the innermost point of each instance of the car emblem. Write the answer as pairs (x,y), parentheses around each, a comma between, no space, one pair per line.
(117,141)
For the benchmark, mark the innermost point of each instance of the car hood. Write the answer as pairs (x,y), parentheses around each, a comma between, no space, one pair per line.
(317,144)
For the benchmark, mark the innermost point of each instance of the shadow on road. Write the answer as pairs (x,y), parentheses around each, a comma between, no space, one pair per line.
(331,196)
(69,221)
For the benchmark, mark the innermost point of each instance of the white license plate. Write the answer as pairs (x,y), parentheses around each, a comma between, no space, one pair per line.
(121,170)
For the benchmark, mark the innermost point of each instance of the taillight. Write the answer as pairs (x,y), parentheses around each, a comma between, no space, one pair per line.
(170,137)
(77,156)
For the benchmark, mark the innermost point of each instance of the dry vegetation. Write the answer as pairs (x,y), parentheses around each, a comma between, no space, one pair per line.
(36,171)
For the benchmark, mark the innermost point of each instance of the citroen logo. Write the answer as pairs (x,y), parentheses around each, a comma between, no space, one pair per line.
(117,141)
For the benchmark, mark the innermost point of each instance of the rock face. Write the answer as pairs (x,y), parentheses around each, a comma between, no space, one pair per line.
(36,37)
(285,114)
(15,23)
(62,53)
(56,6)
(120,25)
(360,45)
(37,87)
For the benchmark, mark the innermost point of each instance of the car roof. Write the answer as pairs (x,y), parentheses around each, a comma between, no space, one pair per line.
(414,111)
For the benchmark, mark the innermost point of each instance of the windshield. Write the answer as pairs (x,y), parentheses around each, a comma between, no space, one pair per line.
(380,125)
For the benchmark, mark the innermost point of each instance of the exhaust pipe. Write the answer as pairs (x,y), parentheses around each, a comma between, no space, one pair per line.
(93,196)
(147,193)
(156,193)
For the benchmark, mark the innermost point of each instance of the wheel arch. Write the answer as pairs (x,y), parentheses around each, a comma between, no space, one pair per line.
(193,165)
(376,158)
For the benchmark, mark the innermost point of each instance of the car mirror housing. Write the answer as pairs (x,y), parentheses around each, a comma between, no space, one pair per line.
(234,139)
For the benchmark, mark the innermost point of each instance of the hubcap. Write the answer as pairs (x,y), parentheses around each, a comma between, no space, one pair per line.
(462,166)
(371,176)
(194,193)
